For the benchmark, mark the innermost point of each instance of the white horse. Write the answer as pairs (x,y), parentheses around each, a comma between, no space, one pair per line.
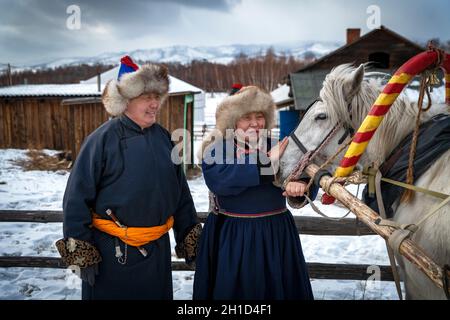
(346,88)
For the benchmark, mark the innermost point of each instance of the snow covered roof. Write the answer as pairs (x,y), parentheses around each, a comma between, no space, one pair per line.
(86,88)
(281,94)
(176,85)
(51,90)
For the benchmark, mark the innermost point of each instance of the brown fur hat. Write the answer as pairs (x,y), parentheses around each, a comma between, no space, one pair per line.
(232,108)
(150,78)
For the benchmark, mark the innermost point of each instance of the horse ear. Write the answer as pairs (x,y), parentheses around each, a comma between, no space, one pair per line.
(354,83)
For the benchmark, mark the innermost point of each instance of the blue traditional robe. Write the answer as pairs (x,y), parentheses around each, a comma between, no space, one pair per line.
(128,170)
(258,256)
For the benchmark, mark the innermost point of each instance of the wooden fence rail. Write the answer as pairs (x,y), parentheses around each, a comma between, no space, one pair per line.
(316,270)
(305,225)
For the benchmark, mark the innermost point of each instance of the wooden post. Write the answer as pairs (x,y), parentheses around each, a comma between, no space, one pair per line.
(408,248)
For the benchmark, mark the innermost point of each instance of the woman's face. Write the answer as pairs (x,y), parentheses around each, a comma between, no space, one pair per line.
(143,109)
(250,124)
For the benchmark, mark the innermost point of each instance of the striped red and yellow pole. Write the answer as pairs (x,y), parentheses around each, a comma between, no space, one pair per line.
(391,91)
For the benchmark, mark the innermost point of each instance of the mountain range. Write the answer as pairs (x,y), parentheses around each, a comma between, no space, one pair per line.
(185,54)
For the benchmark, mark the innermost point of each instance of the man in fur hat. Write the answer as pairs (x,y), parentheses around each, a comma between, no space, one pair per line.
(124,194)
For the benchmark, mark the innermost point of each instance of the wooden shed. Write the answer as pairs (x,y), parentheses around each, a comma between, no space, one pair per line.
(59,117)
(383,48)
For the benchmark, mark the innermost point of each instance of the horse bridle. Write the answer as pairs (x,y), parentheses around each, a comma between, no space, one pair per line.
(348,131)
(309,155)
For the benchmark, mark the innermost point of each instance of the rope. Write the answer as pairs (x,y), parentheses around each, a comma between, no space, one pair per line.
(424,87)
(425,83)
(317,210)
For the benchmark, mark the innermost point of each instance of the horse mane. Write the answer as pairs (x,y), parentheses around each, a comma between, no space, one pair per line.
(398,122)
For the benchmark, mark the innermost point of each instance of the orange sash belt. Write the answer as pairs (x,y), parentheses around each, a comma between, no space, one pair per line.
(133,236)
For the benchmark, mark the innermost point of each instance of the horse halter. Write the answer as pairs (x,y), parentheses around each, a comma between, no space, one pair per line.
(309,155)
(348,131)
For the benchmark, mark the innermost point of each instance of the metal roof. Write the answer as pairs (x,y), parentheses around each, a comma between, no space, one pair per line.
(51,90)
(86,88)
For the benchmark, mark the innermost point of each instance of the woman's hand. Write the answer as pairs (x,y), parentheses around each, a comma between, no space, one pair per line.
(277,151)
(295,189)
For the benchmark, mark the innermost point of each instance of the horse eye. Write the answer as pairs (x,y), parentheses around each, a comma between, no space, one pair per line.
(321,116)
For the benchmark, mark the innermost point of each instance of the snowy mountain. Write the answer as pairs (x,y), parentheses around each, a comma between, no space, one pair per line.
(185,54)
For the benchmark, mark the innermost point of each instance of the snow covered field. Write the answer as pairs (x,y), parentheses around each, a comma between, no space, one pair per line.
(40,190)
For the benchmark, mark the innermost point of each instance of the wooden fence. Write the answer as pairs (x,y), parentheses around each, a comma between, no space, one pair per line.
(59,123)
(38,123)
(305,225)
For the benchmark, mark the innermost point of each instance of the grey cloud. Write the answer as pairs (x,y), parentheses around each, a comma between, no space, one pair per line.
(32,30)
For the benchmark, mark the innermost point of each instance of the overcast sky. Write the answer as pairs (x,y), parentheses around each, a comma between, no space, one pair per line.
(34,31)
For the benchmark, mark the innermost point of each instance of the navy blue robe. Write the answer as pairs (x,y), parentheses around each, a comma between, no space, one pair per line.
(248,258)
(128,170)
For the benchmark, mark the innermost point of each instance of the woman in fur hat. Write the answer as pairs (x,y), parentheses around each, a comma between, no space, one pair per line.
(250,247)
(124,194)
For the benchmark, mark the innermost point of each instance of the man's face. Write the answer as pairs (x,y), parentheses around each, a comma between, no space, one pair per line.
(143,109)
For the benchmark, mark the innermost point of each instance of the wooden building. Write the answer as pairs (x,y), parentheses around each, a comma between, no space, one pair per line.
(384,49)
(59,117)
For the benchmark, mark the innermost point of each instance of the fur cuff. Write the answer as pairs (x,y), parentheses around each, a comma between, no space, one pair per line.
(78,252)
(188,248)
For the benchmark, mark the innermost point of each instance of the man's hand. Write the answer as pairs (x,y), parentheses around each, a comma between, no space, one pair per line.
(88,274)
(295,189)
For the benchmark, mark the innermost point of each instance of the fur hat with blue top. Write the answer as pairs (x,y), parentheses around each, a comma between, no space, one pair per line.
(132,82)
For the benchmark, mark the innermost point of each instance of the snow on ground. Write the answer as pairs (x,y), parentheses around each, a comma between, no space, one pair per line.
(39,190)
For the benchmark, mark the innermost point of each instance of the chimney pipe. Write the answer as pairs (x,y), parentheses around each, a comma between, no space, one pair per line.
(353,35)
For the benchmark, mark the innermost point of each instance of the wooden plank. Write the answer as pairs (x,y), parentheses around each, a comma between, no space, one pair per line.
(56,124)
(42,124)
(86,111)
(316,270)
(48,110)
(71,131)
(9,128)
(31,262)
(2,124)
(15,134)
(21,125)
(105,115)
(78,129)
(36,137)
(30,216)
(91,124)
(305,225)
(28,113)
(65,127)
